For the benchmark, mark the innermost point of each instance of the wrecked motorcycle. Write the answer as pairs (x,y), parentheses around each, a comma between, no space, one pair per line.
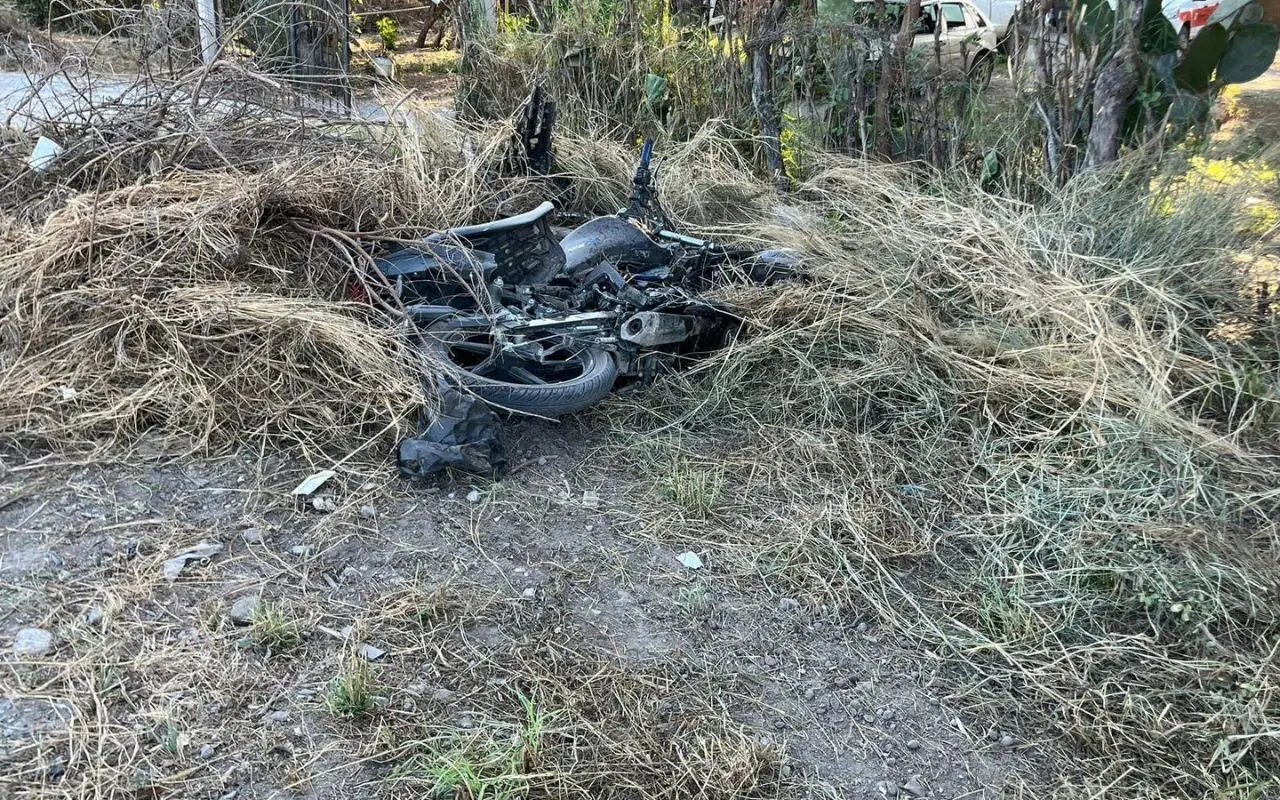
(531,323)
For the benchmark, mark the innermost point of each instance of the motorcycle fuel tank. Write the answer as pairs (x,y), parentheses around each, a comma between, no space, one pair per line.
(610,239)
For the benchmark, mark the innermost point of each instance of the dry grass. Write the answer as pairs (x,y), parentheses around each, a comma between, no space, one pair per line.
(162,696)
(568,721)
(185,273)
(194,304)
(1011,432)
(1016,435)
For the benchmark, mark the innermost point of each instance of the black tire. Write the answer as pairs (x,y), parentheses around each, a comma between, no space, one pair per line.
(981,69)
(581,379)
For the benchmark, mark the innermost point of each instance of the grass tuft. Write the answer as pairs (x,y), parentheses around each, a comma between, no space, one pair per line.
(350,693)
(695,490)
(273,630)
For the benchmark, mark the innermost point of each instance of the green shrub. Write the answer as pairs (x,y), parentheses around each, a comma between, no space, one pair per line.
(389,32)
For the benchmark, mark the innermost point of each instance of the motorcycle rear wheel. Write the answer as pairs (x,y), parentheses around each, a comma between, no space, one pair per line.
(569,381)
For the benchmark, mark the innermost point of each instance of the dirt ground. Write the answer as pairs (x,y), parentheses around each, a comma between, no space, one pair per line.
(479,595)
(382,638)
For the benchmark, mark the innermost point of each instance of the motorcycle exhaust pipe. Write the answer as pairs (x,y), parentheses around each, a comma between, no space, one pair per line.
(653,328)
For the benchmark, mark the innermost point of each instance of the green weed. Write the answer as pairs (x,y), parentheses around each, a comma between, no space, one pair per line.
(696,490)
(350,694)
(695,600)
(273,630)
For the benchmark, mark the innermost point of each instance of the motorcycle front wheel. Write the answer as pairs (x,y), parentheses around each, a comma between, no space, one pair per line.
(565,380)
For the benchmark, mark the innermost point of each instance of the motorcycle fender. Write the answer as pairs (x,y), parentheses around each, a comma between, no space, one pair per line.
(610,239)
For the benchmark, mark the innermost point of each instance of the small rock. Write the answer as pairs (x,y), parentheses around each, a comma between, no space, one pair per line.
(174,566)
(690,560)
(465,722)
(862,627)
(278,717)
(32,643)
(542,461)
(913,744)
(787,770)
(370,653)
(1007,740)
(303,550)
(591,499)
(809,694)
(473,496)
(313,482)
(531,592)
(252,535)
(351,574)
(442,695)
(868,718)
(245,609)
(95,615)
(305,693)
(206,752)
(324,504)
(368,512)
(888,788)
(788,604)
(770,661)
(780,724)
(915,788)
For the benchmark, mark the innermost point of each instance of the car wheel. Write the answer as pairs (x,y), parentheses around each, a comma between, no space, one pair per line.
(981,69)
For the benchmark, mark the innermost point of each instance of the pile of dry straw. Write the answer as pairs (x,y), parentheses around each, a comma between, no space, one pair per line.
(1040,442)
(181,268)
(1038,439)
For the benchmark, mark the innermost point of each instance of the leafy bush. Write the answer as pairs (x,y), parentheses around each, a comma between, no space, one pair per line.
(389,32)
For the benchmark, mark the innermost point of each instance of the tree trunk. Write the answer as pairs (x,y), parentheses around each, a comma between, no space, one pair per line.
(766,33)
(432,17)
(892,67)
(1114,91)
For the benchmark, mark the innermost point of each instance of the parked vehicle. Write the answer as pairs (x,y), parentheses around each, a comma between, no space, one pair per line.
(528,323)
(1189,16)
(1000,14)
(954,34)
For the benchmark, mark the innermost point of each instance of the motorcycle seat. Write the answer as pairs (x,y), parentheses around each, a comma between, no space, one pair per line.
(503,225)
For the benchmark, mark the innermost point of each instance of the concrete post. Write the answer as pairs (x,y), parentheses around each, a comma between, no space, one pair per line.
(208,21)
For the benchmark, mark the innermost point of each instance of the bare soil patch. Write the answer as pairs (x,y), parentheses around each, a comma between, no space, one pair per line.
(645,675)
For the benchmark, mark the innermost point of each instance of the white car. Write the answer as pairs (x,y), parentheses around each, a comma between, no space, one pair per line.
(955,32)
(1000,13)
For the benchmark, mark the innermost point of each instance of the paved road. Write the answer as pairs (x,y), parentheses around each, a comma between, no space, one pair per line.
(24,98)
